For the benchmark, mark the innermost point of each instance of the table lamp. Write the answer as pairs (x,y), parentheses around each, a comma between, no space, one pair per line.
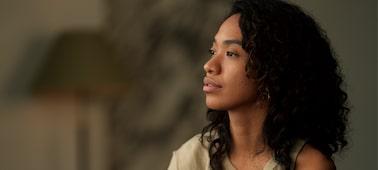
(81,64)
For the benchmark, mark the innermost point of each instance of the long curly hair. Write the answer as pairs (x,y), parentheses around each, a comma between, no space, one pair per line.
(293,63)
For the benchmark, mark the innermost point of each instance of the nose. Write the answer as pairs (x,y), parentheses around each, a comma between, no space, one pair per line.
(212,66)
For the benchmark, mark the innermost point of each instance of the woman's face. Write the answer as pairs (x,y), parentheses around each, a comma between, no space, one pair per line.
(226,84)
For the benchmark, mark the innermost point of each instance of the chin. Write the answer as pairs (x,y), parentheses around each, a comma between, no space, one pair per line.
(215,105)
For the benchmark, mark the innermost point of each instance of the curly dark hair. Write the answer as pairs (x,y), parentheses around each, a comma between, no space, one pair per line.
(291,59)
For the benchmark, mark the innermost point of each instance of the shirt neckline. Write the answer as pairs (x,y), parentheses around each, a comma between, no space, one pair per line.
(268,165)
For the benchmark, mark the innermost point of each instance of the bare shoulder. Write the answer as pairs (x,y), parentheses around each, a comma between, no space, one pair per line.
(312,159)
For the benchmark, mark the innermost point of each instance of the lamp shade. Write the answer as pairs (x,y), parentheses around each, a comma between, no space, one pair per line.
(80,61)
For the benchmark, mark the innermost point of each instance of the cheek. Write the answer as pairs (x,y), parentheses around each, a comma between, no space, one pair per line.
(242,90)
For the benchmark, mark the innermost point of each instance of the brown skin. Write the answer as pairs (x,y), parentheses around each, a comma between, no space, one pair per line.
(226,69)
(312,159)
(233,91)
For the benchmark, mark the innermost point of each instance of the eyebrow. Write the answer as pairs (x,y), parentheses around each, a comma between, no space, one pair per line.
(229,42)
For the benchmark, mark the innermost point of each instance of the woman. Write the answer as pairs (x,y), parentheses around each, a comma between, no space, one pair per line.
(273,89)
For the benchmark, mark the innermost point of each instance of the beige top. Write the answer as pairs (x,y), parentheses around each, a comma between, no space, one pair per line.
(192,155)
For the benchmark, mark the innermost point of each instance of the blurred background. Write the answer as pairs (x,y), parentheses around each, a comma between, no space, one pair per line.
(116,85)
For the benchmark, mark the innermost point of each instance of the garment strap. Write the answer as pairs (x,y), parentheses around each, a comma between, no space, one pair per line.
(295,152)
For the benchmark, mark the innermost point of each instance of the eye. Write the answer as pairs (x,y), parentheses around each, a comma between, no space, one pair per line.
(231,54)
(211,52)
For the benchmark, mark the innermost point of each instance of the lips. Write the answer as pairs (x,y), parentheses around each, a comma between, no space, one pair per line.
(210,85)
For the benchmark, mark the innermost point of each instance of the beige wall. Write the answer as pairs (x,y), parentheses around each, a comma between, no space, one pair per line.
(42,134)
(38,136)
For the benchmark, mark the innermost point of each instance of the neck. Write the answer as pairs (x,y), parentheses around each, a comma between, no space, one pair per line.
(246,126)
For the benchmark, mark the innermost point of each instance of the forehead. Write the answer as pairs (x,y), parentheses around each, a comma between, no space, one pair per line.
(229,29)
